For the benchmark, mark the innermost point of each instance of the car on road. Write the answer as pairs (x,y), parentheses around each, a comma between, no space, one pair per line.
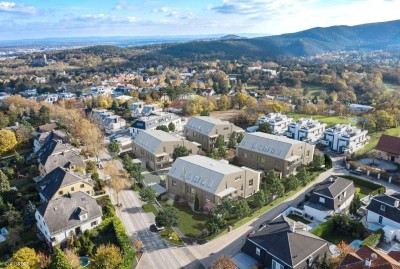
(158,229)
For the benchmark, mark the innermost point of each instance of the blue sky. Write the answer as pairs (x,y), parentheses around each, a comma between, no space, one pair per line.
(23,19)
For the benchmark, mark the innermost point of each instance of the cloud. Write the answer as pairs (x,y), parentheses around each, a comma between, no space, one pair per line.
(12,7)
(162,10)
(120,5)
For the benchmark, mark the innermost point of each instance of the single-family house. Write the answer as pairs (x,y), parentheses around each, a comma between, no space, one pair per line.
(369,258)
(384,209)
(388,148)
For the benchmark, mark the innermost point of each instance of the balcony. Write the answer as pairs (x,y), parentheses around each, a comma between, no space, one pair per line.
(325,142)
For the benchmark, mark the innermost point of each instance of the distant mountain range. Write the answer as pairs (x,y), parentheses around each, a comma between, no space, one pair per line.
(372,36)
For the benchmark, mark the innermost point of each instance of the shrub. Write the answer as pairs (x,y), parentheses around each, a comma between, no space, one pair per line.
(373,239)
(169,202)
(174,236)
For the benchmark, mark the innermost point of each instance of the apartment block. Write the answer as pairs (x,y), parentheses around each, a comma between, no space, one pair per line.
(344,138)
(153,121)
(278,122)
(306,129)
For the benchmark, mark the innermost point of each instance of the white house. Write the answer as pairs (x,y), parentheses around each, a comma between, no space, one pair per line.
(108,121)
(153,121)
(306,129)
(384,209)
(277,121)
(344,138)
(360,108)
(140,109)
(67,216)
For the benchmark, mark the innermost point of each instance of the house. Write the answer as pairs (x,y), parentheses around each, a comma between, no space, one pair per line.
(108,121)
(334,195)
(153,121)
(384,210)
(54,154)
(211,180)
(157,147)
(140,109)
(205,130)
(283,243)
(344,138)
(206,92)
(369,258)
(278,122)
(61,181)
(360,108)
(307,130)
(42,138)
(388,148)
(267,152)
(136,108)
(68,215)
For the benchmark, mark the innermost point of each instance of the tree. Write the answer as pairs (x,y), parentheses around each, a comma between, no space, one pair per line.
(223,262)
(4,120)
(7,141)
(13,216)
(43,115)
(59,260)
(168,218)
(4,183)
(180,151)
(44,260)
(72,258)
(220,141)
(24,258)
(147,194)
(242,209)
(265,128)
(292,183)
(117,182)
(343,249)
(222,152)
(304,176)
(275,185)
(226,206)
(355,204)
(29,214)
(196,203)
(113,147)
(240,137)
(205,112)
(171,127)
(214,154)
(138,244)
(318,160)
(260,199)
(162,128)
(215,223)
(323,263)
(232,142)
(24,134)
(107,256)
(328,161)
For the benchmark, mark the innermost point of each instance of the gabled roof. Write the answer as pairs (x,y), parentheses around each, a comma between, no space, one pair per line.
(333,186)
(63,213)
(378,259)
(56,179)
(205,125)
(151,140)
(277,238)
(268,144)
(47,127)
(389,144)
(388,201)
(202,172)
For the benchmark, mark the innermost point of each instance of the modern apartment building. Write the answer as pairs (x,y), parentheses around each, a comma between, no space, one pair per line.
(157,147)
(267,152)
(344,138)
(308,130)
(211,180)
(278,122)
(151,122)
(205,130)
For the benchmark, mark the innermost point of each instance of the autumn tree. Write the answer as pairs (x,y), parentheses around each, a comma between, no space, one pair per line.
(59,260)
(107,256)
(72,258)
(24,258)
(4,183)
(343,249)
(7,141)
(117,182)
(223,262)
(138,244)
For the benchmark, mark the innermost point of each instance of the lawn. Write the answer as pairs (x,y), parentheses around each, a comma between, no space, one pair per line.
(150,208)
(313,90)
(366,187)
(329,120)
(326,231)
(298,218)
(190,223)
(167,238)
(374,138)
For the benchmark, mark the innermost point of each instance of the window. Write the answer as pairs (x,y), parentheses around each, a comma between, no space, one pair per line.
(257,251)
(237,178)
(276,265)
(164,149)
(60,192)
(251,182)
(82,186)
(72,188)
(383,207)
(344,194)
(174,183)
(53,239)
(322,200)
(308,153)
(94,223)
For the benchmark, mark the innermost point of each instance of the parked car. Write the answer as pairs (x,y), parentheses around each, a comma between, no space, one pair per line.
(357,171)
(158,229)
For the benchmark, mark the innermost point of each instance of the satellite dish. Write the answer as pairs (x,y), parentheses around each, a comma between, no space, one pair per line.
(374,256)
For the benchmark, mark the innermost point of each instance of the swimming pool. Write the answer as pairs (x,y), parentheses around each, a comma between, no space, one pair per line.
(356,244)
(374,226)
(84,261)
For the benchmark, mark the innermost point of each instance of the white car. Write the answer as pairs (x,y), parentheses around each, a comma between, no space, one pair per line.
(158,228)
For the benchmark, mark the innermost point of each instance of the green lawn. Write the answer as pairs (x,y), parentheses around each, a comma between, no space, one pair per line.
(329,120)
(150,208)
(326,231)
(166,237)
(366,187)
(190,223)
(313,90)
(298,218)
(374,138)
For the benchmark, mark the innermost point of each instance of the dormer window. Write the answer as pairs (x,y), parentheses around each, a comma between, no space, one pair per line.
(383,208)
(83,217)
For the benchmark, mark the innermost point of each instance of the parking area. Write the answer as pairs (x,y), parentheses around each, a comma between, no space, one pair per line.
(377,163)
(153,176)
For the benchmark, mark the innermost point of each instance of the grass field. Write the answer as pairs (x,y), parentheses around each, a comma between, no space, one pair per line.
(325,231)
(150,208)
(329,120)
(298,218)
(374,138)
(313,90)
(391,87)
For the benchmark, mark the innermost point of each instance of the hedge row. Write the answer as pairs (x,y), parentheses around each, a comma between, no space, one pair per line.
(377,189)
(325,229)
(373,239)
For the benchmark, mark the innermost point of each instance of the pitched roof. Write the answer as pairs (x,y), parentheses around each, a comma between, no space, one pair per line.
(205,125)
(202,172)
(151,140)
(63,213)
(268,144)
(56,179)
(389,144)
(333,186)
(277,238)
(47,127)
(379,260)
(391,212)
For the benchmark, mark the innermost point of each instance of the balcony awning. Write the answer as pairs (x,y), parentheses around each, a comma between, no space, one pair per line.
(162,154)
(292,158)
(226,192)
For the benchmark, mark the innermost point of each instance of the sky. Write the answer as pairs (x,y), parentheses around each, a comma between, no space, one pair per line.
(27,19)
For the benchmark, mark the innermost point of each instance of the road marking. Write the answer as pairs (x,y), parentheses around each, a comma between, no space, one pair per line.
(162,256)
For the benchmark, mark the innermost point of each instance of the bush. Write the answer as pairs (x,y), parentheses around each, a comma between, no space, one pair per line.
(106,207)
(169,202)
(373,239)
(325,229)
(377,189)
(174,236)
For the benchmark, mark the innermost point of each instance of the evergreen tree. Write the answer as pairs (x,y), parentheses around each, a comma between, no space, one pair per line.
(196,203)
(180,151)
(113,147)
(232,142)
(59,260)
(240,137)
(4,183)
(328,161)
(220,141)
(318,160)
(171,127)
(265,128)
(355,204)
(29,214)
(304,176)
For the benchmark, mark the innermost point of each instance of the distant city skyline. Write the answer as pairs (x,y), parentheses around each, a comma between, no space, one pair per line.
(29,19)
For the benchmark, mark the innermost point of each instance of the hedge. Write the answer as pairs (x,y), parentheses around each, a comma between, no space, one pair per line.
(325,229)
(373,239)
(377,189)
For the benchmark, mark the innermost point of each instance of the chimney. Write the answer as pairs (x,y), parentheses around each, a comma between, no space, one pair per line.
(367,262)
(293,227)
(396,203)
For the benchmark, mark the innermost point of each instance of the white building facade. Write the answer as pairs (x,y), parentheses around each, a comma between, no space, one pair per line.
(278,122)
(307,130)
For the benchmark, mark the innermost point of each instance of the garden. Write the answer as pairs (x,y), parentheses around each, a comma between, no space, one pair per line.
(364,187)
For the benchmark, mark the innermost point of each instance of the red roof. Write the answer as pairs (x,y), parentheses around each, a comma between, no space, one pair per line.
(379,260)
(390,144)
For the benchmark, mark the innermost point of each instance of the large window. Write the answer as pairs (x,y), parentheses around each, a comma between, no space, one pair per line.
(322,200)
(276,265)
(257,251)
(251,182)
(174,183)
